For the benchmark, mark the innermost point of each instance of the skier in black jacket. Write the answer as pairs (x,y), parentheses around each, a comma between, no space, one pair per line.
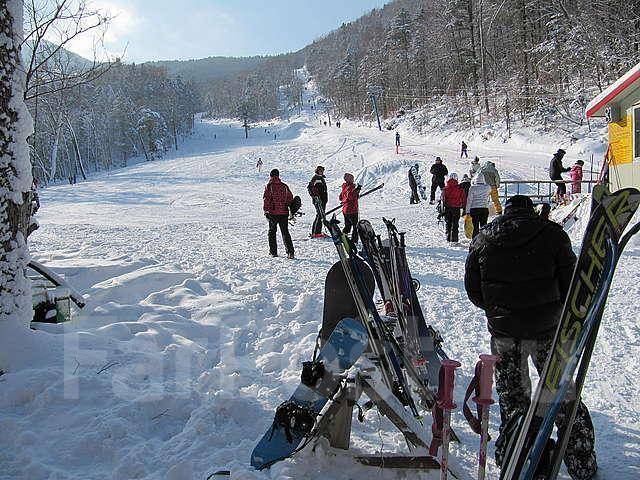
(556,169)
(439,172)
(519,271)
(318,188)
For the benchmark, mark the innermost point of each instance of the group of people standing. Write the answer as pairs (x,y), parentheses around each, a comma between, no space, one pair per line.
(556,169)
(277,200)
(467,196)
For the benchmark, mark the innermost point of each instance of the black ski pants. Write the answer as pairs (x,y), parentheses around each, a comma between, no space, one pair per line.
(452,222)
(351,221)
(281,221)
(316,228)
(479,217)
(435,183)
(514,391)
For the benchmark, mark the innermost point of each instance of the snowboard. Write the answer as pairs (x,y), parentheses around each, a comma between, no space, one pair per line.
(293,425)
(578,327)
(338,300)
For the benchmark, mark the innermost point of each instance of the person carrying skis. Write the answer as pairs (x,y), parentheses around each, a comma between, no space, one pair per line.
(349,199)
(318,188)
(576,177)
(463,150)
(518,271)
(439,172)
(492,178)
(474,166)
(453,201)
(276,200)
(259,165)
(477,203)
(413,184)
(556,169)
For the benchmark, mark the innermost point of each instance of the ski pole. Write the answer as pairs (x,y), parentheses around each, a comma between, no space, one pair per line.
(446,403)
(484,400)
(360,196)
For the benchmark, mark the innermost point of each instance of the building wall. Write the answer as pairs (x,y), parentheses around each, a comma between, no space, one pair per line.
(623,171)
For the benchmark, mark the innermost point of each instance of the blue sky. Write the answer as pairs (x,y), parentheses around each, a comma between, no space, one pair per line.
(183,29)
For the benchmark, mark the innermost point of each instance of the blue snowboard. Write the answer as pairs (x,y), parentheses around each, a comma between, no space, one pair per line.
(342,350)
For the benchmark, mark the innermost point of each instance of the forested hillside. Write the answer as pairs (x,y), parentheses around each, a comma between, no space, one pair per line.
(488,59)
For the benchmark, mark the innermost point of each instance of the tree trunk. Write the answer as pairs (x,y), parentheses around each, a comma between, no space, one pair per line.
(15,177)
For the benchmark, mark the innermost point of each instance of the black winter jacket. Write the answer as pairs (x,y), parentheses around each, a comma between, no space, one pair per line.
(318,188)
(439,171)
(555,167)
(518,271)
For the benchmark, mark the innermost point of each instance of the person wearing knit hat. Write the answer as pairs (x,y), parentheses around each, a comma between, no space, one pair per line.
(276,200)
(519,271)
(349,199)
(317,188)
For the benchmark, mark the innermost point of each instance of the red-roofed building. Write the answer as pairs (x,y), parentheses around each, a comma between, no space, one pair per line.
(620,104)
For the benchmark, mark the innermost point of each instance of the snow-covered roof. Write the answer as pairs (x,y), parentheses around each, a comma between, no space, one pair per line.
(596,107)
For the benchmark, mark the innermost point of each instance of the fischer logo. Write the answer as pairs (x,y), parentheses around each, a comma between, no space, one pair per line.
(584,285)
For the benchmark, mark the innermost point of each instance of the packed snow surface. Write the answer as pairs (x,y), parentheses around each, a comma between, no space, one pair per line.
(192,334)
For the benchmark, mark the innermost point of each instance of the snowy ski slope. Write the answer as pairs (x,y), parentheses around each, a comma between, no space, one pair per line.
(192,335)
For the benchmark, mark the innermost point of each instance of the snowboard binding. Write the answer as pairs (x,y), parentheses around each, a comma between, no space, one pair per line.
(294,419)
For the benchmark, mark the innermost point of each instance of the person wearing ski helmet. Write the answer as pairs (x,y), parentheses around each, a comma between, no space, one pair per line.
(556,169)
(519,271)
(276,200)
(439,172)
(413,184)
(317,188)
(453,201)
(349,199)
(576,177)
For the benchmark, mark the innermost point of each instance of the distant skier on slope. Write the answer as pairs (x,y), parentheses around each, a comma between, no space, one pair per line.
(556,169)
(397,140)
(277,198)
(463,150)
(318,188)
(439,172)
(414,175)
(259,165)
(518,271)
(349,198)
(453,201)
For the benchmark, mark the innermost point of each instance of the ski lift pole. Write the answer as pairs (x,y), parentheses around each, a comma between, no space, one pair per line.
(484,401)
(446,403)
(374,189)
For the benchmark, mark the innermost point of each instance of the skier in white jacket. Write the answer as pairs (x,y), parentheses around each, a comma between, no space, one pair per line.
(477,203)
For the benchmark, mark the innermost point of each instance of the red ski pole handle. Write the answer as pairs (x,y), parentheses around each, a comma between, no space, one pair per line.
(487,365)
(449,372)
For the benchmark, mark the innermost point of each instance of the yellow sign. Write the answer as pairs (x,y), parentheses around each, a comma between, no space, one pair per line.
(621,141)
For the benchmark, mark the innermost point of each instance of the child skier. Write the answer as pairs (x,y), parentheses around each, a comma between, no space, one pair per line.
(349,199)
(453,201)
(576,177)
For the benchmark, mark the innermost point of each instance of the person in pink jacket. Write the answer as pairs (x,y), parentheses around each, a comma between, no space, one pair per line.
(576,177)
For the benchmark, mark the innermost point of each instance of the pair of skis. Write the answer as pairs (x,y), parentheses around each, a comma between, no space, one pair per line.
(575,337)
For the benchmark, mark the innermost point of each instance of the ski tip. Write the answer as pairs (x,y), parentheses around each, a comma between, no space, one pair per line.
(220,473)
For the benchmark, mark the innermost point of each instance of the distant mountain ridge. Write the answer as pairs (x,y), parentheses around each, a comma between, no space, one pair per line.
(204,70)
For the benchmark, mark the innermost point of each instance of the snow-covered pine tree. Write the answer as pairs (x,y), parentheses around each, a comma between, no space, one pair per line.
(15,177)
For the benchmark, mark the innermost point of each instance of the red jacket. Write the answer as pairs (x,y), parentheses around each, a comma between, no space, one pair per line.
(277,197)
(454,195)
(349,198)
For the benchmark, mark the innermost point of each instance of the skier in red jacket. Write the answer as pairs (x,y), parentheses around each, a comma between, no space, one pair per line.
(277,198)
(453,200)
(349,198)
